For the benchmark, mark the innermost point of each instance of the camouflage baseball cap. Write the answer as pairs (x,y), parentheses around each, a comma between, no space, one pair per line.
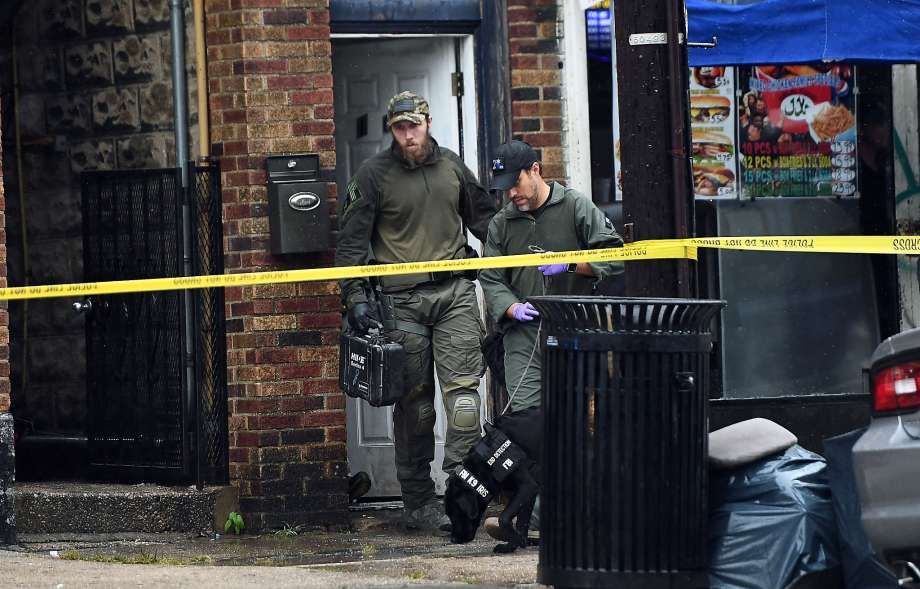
(407,106)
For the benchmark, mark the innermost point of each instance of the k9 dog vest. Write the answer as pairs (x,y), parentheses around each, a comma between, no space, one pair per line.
(501,456)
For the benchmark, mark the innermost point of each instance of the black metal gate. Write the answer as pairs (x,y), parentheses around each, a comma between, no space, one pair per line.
(142,421)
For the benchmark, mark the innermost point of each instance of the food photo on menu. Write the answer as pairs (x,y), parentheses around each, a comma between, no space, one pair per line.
(709,108)
(712,181)
(708,76)
(712,120)
(712,145)
(797,130)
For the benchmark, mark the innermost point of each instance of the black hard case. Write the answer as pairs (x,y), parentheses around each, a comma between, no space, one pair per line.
(371,368)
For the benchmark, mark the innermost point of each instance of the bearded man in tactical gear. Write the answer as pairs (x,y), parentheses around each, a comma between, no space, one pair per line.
(410,203)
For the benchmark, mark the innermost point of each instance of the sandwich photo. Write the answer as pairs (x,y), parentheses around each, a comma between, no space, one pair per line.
(708,108)
(711,144)
(708,180)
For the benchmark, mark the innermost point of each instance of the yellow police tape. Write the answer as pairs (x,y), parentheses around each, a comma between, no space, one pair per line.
(642,250)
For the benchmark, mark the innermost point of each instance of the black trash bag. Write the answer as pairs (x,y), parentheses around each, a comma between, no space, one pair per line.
(861,568)
(771,522)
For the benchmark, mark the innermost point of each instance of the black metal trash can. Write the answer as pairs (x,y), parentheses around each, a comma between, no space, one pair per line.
(625,480)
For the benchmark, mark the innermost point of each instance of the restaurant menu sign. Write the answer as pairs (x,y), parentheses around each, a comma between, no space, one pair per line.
(712,117)
(797,130)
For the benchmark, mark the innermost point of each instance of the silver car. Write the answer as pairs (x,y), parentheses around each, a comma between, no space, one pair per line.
(886,459)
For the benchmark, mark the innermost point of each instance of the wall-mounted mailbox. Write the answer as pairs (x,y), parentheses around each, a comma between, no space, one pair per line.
(298,210)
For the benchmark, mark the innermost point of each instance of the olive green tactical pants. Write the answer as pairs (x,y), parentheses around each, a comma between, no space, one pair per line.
(521,380)
(451,310)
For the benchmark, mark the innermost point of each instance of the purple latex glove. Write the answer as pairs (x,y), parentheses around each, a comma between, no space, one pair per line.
(552,269)
(524,312)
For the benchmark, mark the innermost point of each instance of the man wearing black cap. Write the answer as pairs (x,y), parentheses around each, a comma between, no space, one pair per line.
(539,218)
(411,203)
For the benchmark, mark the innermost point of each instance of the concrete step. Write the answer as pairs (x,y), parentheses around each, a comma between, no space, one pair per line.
(54,507)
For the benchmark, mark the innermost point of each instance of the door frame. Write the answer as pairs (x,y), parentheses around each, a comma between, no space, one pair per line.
(464,57)
(487,110)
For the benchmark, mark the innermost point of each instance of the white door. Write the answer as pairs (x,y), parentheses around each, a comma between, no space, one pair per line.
(367,74)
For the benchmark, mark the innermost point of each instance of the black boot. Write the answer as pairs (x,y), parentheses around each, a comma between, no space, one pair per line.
(358,486)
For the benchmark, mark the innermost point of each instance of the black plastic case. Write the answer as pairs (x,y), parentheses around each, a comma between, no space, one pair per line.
(371,368)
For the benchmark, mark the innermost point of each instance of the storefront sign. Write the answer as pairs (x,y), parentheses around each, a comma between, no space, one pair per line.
(797,131)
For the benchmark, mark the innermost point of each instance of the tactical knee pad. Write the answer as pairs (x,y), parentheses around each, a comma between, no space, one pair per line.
(464,415)
(426,417)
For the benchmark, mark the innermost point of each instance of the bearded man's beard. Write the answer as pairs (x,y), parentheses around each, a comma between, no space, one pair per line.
(420,155)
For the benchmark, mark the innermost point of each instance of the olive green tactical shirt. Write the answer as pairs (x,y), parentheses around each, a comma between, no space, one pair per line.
(407,212)
(568,221)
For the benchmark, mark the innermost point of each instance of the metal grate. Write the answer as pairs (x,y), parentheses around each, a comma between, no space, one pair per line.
(627,314)
(625,441)
(211,342)
(140,424)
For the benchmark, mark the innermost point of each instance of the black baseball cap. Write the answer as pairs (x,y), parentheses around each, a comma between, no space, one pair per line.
(509,159)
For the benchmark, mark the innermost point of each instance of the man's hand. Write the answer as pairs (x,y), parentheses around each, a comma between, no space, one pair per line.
(522,312)
(361,317)
(553,269)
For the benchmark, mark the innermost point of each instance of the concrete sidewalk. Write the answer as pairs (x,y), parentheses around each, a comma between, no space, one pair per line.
(375,553)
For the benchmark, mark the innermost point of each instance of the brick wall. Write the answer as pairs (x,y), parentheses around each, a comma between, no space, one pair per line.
(270,77)
(536,106)
(4,307)
(7,445)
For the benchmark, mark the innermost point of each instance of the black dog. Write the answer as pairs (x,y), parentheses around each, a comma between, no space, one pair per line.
(506,459)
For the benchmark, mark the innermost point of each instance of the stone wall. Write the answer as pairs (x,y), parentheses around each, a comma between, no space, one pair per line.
(536,105)
(95,94)
(270,77)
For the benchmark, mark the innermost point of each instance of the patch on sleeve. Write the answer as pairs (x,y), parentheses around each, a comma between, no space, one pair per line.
(352,195)
(607,223)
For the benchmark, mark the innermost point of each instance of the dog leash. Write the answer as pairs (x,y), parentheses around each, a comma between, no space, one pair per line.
(526,368)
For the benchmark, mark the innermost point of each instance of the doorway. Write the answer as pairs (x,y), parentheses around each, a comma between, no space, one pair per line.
(367,72)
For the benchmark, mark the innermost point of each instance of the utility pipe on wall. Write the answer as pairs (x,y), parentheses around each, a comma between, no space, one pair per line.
(180,103)
(201,76)
(180,91)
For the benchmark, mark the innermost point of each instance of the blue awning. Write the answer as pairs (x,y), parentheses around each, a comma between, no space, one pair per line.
(801,31)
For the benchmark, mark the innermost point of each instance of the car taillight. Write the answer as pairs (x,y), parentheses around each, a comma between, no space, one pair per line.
(897,388)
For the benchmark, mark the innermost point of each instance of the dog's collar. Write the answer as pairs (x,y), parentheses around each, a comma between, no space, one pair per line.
(467,478)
